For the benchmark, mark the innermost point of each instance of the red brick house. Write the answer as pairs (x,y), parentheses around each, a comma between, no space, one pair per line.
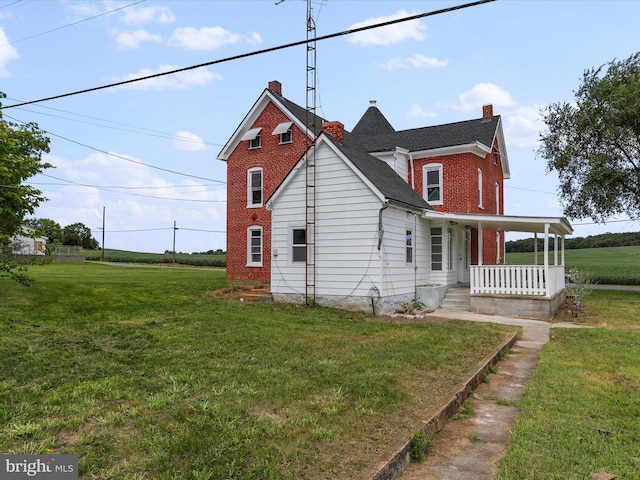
(394,213)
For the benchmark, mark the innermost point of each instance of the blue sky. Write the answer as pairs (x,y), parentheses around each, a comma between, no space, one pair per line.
(517,55)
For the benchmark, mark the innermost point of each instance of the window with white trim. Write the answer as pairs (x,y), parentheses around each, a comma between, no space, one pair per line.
(409,246)
(298,245)
(285,131)
(497,198)
(480,188)
(254,246)
(254,187)
(436,248)
(254,136)
(432,179)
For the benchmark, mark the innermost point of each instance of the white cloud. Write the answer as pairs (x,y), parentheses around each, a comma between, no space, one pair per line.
(482,94)
(417,61)
(152,14)
(390,34)
(417,111)
(183,80)
(209,38)
(134,38)
(523,126)
(7,53)
(188,141)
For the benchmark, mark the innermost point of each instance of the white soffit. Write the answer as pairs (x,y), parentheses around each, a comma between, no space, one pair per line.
(251,134)
(282,128)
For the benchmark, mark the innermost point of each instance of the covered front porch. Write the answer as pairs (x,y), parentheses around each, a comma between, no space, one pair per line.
(532,290)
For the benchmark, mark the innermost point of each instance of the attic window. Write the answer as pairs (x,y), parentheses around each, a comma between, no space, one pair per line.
(254,137)
(285,131)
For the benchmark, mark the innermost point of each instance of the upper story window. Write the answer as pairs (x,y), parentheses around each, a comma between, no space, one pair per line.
(495,157)
(480,205)
(254,187)
(285,130)
(497,198)
(254,136)
(432,179)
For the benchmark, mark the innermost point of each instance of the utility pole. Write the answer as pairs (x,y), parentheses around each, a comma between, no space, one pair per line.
(174,242)
(103,214)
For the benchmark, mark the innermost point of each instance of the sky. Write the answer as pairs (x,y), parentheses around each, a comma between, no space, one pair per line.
(144,155)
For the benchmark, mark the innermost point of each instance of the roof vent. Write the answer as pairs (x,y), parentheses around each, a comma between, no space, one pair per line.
(372,102)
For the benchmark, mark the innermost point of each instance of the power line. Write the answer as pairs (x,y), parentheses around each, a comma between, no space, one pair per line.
(106,189)
(138,130)
(123,158)
(251,54)
(70,24)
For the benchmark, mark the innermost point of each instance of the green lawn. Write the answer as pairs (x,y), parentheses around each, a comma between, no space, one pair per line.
(152,373)
(580,411)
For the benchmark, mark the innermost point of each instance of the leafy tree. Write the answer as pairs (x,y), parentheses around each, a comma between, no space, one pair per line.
(79,234)
(46,227)
(21,149)
(593,143)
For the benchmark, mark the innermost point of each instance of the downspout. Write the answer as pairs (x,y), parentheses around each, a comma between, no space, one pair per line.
(380,226)
(413,173)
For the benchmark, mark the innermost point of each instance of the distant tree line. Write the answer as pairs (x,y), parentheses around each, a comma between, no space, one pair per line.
(630,239)
(75,234)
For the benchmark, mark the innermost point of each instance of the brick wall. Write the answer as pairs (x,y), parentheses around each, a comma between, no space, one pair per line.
(276,160)
(460,193)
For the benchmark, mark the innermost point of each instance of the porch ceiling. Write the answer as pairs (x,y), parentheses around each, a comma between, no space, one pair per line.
(508,223)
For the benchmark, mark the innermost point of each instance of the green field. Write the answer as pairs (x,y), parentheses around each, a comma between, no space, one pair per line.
(123,256)
(155,373)
(608,266)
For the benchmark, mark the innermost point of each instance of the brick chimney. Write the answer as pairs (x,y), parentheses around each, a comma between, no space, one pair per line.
(487,111)
(335,129)
(276,86)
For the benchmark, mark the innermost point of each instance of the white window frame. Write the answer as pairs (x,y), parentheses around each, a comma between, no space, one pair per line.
(497,198)
(251,189)
(480,205)
(409,242)
(251,251)
(297,246)
(285,136)
(431,167)
(437,257)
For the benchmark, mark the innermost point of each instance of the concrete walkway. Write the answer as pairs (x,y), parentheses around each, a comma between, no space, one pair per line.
(470,449)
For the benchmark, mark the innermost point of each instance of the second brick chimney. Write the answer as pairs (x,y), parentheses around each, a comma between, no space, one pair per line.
(335,129)
(487,111)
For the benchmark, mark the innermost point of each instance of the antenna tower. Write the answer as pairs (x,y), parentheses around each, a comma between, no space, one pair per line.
(311,118)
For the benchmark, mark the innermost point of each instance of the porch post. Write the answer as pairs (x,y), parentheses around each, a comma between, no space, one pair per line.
(562,248)
(546,259)
(480,246)
(555,249)
(535,248)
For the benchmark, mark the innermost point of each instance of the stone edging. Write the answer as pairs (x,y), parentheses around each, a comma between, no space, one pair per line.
(399,460)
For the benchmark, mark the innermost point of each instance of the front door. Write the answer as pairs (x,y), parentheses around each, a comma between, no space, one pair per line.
(463,255)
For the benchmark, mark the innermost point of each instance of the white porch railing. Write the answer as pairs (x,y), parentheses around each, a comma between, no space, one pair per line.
(517,279)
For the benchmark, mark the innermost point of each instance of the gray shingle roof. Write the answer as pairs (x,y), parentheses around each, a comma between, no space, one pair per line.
(380,174)
(427,138)
(299,112)
(373,122)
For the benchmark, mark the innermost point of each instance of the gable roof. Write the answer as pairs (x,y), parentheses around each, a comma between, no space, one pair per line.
(294,112)
(377,173)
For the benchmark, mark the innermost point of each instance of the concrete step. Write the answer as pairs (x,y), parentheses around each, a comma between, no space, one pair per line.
(457,299)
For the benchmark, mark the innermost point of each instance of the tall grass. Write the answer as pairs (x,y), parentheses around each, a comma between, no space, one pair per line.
(124,256)
(152,373)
